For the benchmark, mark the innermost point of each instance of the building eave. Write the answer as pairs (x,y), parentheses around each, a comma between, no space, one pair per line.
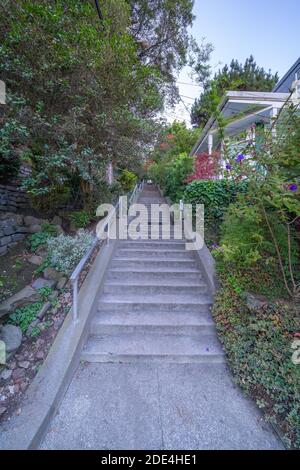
(293,69)
(263,99)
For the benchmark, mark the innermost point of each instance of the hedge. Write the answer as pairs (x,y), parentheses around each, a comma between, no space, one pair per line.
(216,195)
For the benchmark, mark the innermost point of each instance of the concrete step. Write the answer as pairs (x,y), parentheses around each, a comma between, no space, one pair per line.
(142,274)
(160,302)
(153,245)
(151,236)
(180,323)
(152,287)
(149,347)
(145,253)
(149,263)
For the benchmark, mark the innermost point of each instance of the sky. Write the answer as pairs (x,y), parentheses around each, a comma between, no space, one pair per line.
(267,29)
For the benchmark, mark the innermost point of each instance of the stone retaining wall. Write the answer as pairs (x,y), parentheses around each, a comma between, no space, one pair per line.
(12,230)
(13,199)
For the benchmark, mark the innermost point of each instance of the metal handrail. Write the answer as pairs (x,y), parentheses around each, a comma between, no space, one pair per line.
(75,277)
(76,273)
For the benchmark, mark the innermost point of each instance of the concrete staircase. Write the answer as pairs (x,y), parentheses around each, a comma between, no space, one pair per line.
(154,306)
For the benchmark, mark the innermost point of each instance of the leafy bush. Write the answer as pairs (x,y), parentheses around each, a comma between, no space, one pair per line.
(80,218)
(10,134)
(23,316)
(171,175)
(258,348)
(54,197)
(245,239)
(176,174)
(272,170)
(216,195)
(206,166)
(65,252)
(40,238)
(128,180)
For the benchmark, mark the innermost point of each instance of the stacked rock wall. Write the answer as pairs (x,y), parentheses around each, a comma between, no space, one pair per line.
(13,199)
(15,227)
(12,230)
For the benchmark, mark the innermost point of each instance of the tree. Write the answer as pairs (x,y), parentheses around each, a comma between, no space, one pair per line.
(170,161)
(234,77)
(89,91)
(161,30)
(86,97)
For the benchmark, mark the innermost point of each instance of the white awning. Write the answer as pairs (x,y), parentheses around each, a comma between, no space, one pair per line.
(240,110)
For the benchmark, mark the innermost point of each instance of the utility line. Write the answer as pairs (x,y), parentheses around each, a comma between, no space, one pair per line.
(192,84)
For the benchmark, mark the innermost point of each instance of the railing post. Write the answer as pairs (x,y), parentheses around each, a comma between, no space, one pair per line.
(75,300)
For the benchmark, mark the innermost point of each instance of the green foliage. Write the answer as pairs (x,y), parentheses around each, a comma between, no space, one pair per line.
(216,195)
(161,30)
(40,238)
(51,229)
(262,224)
(236,76)
(80,218)
(245,238)
(11,134)
(48,199)
(174,139)
(170,161)
(45,292)
(175,176)
(23,316)
(258,348)
(128,180)
(65,252)
(88,92)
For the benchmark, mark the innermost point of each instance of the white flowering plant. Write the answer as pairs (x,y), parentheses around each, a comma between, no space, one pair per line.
(65,251)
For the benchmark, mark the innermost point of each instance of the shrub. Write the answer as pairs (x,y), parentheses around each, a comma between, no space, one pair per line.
(80,218)
(11,133)
(245,239)
(65,252)
(175,176)
(40,238)
(53,197)
(216,195)
(23,316)
(272,170)
(206,166)
(128,180)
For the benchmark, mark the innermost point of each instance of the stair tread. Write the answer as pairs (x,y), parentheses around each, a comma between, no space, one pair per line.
(152,258)
(155,283)
(149,318)
(152,344)
(157,299)
(163,271)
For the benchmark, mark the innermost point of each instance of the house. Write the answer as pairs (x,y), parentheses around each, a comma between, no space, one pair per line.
(242,111)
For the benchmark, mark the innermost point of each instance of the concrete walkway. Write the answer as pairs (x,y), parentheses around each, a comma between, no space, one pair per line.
(157,406)
(153,373)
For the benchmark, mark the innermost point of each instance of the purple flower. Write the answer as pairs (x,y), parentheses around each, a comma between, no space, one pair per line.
(240,157)
(293,187)
(228,166)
